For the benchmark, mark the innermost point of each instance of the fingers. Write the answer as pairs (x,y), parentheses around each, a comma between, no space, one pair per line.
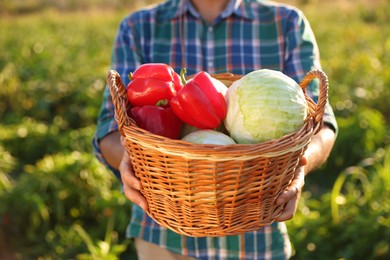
(290,197)
(127,173)
(290,207)
(131,184)
(135,196)
(294,189)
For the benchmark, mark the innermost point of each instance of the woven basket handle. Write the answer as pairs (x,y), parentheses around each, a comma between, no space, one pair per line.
(317,110)
(119,98)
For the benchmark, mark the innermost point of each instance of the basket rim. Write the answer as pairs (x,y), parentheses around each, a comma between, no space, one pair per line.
(275,147)
(132,133)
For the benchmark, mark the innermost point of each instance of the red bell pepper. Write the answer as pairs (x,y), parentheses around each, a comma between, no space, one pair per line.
(201,102)
(152,82)
(157,120)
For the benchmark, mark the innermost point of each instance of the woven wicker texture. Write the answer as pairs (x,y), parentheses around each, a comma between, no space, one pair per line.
(213,190)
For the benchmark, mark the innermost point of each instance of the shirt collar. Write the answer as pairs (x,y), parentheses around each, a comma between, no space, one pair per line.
(236,7)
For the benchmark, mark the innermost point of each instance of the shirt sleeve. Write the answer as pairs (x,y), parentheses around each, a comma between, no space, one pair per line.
(302,55)
(124,59)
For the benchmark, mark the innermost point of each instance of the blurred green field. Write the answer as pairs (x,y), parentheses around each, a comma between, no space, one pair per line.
(58,202)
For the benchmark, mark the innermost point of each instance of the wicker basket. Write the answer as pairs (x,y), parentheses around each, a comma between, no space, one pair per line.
(213,190)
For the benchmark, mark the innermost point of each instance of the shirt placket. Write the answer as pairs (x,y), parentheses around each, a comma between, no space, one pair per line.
(209,50)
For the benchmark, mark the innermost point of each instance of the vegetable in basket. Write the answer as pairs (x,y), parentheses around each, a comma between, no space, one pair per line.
(201,102)
(158,119)
(152,82)
(264,105)
(208,137)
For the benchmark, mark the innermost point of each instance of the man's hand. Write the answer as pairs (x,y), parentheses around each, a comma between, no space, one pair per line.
(315,155)
(131,184)
(292,194)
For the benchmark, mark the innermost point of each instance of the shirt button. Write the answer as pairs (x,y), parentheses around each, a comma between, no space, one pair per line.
(210,64)
(210,29)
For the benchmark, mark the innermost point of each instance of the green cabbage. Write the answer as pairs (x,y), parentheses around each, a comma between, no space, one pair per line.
(208,137)
(264,105)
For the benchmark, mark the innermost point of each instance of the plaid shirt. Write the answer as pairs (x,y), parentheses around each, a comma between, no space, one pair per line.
(249,35)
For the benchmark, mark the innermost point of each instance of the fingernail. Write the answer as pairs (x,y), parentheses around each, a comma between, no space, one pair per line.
(136,185)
